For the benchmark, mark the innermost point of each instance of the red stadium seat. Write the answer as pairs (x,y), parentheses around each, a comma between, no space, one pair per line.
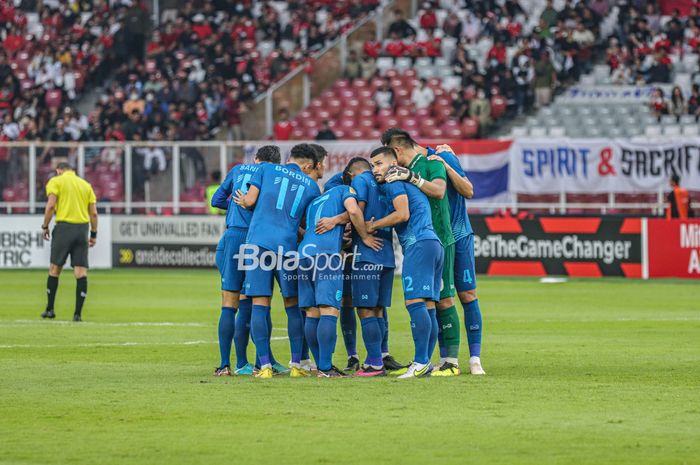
(365,123)
(453,133)
(334,107)
(356,134)
(470,128)
(359,84)
(442,114)
(365,94)
(298,134)
(349,113)
(53,98)
(498,106)
(403,112)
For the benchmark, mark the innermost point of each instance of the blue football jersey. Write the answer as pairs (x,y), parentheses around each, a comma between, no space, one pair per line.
(461,226)
(335,181)
(236,179)
(331,203)
(285,192)
(376,206)
(419,226)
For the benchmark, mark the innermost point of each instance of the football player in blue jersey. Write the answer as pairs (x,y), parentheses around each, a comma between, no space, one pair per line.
(280,195)
(410,215)
(460,188)
(348,323)
(320,272)
(234,322)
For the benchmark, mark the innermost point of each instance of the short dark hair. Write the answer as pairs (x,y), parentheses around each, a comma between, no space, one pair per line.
(303,152)
(216,176)
(383,151)
(675,179)
(351,166)
(320,153)
(398,136)
(63,165)
(269,154)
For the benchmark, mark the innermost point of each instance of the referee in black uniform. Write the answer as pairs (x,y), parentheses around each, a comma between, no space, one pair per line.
(73,201)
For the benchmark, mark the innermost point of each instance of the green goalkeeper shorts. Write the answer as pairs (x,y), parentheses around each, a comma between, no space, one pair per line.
(448,273)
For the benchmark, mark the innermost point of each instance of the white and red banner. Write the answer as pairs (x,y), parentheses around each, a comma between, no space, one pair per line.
(602,165)
(673,248)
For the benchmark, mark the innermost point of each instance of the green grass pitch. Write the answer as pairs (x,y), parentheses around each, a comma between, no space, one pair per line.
(588,371)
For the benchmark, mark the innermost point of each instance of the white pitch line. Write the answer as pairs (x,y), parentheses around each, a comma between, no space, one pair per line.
(125,324)
(116,344)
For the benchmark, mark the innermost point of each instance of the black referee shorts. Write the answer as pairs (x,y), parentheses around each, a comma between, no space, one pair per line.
(70,239)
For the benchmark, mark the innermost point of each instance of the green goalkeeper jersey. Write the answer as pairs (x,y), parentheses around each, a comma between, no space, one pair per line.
(431,170)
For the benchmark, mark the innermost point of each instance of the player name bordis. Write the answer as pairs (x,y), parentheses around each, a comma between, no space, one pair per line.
(250,257)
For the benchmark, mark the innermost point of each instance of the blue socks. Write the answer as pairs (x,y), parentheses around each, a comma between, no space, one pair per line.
(421,328)
(240,337)
(261,333)
(295,331)
(310,331)
(227,326)
(472,321)
(384,325)
(434,331)
(372,336)
(348,325)
(327,335)
(305,343)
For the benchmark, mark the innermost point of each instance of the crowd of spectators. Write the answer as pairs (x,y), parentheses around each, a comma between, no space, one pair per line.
(489,49)
(50,51)
(188,79)
(676,104)
(647,46)
(524,67)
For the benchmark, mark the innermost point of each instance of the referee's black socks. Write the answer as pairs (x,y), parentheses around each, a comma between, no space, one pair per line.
(80,294)
(51,288)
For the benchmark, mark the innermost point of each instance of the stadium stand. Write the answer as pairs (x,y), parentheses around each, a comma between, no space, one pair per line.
(480,62)
(194,76)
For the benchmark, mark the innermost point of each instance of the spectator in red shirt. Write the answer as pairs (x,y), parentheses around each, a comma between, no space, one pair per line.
(13,42)
(283,128)
(498,53)
(232,109)
(428,21)
(201,28)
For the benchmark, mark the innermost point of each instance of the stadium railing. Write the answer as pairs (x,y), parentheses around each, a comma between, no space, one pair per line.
(174,178)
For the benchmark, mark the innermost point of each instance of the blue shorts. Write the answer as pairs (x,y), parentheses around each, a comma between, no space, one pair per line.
(465,273)
(258,280)
(371,288)
(231,277)
(320,286)
(422,270)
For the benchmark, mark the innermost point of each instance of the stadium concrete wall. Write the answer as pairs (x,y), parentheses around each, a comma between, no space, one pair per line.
(503,246)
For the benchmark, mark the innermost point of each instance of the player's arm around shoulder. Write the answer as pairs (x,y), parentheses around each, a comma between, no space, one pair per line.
(357,218)
(220,199)
(249,199)
(401,213)
(435,186)
(455,173)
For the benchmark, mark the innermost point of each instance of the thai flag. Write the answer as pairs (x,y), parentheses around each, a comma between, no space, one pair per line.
(485,163)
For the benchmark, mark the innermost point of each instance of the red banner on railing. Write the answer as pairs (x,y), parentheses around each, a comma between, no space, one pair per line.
(674,248)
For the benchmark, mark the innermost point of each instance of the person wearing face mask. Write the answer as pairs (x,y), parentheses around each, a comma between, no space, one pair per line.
(134,103)
(480,109)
